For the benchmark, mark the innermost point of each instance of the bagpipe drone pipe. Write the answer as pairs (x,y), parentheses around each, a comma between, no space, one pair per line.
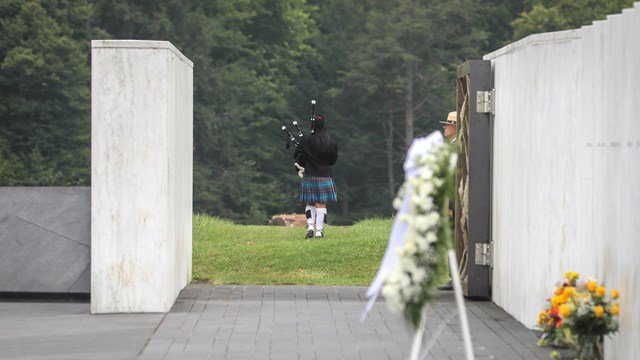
(296,140)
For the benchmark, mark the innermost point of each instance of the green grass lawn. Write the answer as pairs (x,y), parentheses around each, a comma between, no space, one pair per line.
(227,253)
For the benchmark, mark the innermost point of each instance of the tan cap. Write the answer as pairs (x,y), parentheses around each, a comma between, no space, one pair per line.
(452,118)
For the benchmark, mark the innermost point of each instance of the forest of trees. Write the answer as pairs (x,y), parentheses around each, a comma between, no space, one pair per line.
(382,71)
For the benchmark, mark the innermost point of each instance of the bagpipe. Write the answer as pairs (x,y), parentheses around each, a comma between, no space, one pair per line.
(290,137)
(296,141)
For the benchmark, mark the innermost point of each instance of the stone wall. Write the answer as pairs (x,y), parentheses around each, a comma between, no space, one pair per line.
(45,239)
(566,168)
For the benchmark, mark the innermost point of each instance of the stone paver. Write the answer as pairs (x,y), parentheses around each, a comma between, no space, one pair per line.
(258,322)
(32,330)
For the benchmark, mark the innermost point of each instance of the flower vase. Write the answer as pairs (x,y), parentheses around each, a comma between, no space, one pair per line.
(590,347)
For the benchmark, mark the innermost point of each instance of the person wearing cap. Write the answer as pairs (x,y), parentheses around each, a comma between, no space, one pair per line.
(450,126)
(451,133)
(314,157)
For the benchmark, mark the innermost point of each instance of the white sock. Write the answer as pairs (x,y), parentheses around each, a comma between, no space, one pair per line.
(310,211)
(320,214)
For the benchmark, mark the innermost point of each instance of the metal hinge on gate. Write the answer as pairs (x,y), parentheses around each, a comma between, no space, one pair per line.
(485,101)
(484,254)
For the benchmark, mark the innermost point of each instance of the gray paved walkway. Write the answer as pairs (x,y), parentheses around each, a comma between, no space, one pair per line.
(256,322)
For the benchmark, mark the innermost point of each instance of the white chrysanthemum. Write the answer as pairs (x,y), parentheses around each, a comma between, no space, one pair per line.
(425,173)
(413,182)
(421,244)
(392,294)
(414,205)
(407,264)
(397,203)
(410,248)
(411,236)
(432,219)
(393,277)
(419,275)
(404,280)
(422,223)
(412,293)
(437,182)
(426,204)
(425,189)
(431,237)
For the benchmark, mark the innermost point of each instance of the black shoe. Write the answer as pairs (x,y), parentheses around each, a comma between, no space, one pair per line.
(319,234)
(309,234)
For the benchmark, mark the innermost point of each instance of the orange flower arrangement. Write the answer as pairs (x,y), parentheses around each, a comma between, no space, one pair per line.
(578,316)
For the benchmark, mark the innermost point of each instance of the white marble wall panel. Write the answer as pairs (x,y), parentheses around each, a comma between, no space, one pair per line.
(566,168)
(141,168)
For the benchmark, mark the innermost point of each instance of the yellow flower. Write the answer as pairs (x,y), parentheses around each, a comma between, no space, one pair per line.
(560,299)
(569,291)
(615,293)
(564,311)
(575,275)
(598,311)
(615,309)
(592,285)
(568,274)
(600,291)
(541,318)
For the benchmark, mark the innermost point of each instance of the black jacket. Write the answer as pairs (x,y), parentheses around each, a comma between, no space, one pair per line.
(316,154)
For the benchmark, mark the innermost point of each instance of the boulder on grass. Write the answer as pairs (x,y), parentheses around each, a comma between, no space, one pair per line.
(290,220)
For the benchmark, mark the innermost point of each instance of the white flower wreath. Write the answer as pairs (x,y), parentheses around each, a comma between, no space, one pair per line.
(422,264)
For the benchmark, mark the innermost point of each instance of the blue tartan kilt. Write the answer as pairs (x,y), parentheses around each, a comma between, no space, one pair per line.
(318,189)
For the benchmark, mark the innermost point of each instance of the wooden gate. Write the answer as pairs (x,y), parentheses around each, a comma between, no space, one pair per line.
(473,180)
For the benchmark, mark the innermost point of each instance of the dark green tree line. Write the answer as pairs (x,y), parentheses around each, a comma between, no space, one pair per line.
(555,15)
(44,81)
(382,71)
